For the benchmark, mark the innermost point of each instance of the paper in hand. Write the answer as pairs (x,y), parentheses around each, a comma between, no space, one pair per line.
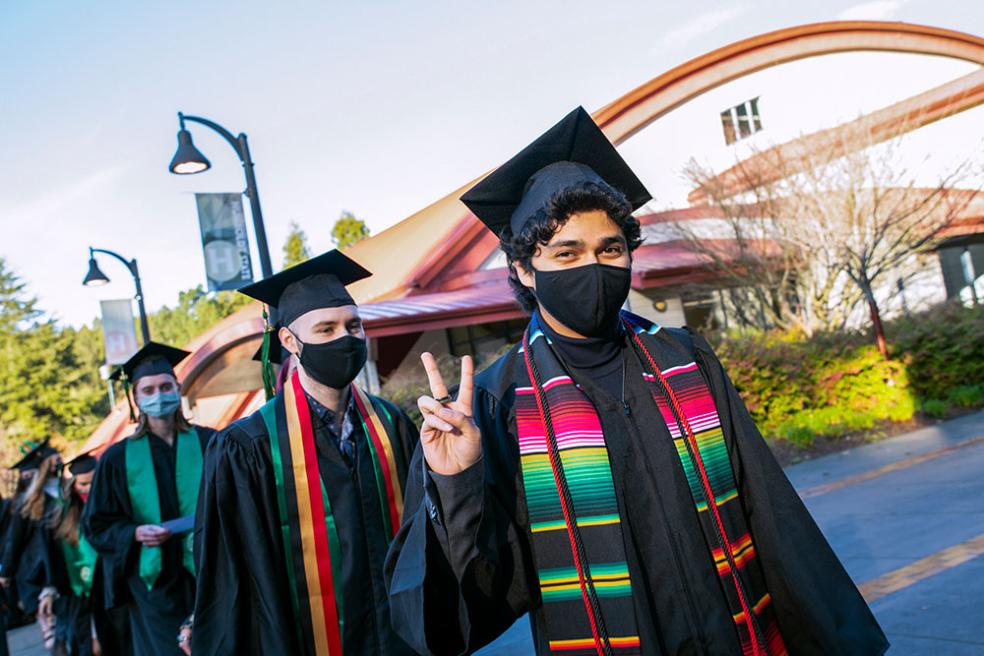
(180,525)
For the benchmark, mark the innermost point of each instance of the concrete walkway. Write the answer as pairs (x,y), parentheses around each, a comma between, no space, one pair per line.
(905,516)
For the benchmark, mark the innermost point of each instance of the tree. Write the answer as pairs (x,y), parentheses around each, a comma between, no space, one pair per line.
(755,246)
(49,375)
(817,232)
(46,387)
(348,231)
(195,312)
(16,308)
(295,248)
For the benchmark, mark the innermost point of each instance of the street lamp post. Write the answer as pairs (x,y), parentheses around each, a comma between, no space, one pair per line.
(189,160)
(96,277)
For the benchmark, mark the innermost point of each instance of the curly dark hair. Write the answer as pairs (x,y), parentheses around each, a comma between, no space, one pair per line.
(537,231)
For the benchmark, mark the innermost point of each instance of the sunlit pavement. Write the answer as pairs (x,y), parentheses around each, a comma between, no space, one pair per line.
(906,517)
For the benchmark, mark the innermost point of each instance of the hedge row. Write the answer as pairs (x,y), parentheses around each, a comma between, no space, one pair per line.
(833,384)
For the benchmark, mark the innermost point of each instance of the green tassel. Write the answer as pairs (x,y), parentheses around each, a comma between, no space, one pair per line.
(267,367)
(126,392)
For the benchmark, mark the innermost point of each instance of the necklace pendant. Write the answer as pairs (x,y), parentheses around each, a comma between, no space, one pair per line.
(626,409)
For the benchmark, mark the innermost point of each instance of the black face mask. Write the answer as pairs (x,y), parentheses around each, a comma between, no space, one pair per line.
(587,298)
(335,363)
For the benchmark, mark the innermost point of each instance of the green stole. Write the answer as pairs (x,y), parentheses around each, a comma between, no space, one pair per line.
(80,561)
(141,483)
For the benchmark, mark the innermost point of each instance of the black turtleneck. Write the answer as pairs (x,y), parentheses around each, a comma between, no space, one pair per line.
(598,359)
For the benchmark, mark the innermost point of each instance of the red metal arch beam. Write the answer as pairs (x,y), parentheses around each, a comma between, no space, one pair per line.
(635,110)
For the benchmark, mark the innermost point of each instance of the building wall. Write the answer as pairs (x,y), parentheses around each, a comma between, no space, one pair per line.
(651,304)
(958,262)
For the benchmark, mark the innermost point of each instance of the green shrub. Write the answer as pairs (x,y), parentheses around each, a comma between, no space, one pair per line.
(943,349)
(967,396)
(934,408)
(829,385)
(799,388)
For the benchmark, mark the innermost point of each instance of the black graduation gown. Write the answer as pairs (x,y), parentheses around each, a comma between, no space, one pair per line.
(243,604)
(112,624)
(461,569)
(25,554)
(109,525)
(5,598)
(73,613)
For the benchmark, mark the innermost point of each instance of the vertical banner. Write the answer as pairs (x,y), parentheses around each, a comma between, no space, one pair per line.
(119,331)
(224,241)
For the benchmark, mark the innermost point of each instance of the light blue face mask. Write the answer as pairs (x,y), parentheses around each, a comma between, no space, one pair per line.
(160,404)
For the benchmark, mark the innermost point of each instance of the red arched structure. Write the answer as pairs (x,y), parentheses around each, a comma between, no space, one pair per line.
(638,108)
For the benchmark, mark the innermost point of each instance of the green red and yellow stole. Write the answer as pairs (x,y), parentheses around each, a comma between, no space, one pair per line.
(575,524)
(141,483)
(310,536)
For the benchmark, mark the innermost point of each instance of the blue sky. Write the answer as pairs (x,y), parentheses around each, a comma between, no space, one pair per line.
(374,107)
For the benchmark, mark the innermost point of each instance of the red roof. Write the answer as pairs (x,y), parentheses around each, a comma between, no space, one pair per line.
(492,301)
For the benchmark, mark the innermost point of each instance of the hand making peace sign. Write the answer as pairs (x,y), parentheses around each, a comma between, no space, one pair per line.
(449,436)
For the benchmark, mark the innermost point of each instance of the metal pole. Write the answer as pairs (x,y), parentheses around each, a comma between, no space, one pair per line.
(131,265)
(240,145)
(144,326)
(254,206)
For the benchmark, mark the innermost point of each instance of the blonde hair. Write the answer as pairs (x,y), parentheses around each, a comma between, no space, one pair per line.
(66,520)
(32,503)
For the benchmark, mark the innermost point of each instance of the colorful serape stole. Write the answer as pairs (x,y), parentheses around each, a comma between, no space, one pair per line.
(141,483)
(573,511)
(574,521)
(687,407)
(311,544)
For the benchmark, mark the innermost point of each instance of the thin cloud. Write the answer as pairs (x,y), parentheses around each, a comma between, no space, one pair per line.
(874,10)
(59,201)
(698,26)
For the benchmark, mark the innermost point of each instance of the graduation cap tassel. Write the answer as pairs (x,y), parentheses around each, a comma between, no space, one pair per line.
(126,392)
(267,367)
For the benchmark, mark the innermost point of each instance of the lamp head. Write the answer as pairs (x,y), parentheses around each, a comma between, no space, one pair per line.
(188,159)
(95,277)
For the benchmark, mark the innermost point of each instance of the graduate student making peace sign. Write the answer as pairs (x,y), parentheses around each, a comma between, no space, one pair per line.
(621,492)
(449,436)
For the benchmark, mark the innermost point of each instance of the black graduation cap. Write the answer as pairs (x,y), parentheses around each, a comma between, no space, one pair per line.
(311,285)
(573,151)
(82,464)
(34,454)
(153,358)
(277,353)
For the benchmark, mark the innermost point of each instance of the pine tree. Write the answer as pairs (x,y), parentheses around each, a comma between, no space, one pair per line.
(16,308)
(46,386)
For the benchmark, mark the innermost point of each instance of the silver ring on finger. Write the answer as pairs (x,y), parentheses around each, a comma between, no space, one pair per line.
(444,400)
